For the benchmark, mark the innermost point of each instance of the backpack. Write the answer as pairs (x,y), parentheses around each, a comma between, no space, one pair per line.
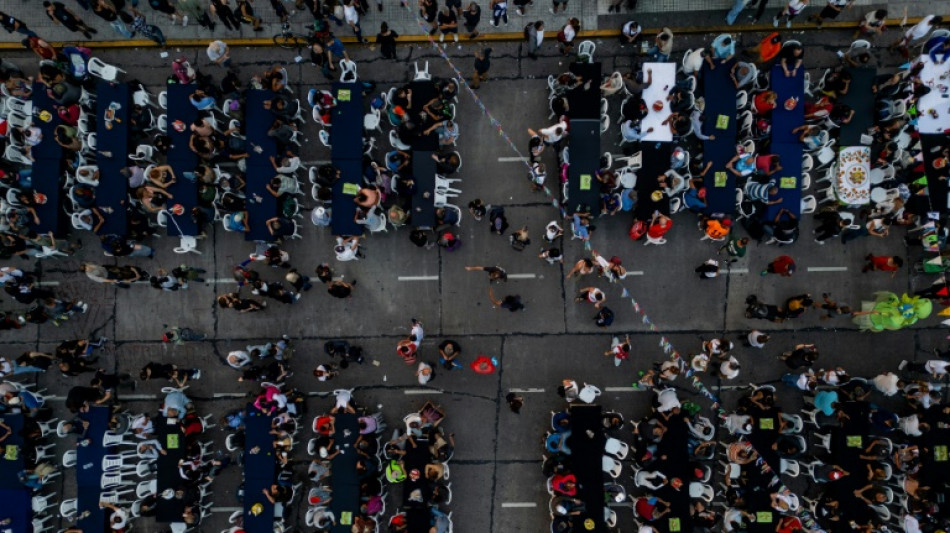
(527,31)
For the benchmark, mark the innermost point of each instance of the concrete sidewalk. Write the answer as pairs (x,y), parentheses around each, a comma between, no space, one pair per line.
(692,15)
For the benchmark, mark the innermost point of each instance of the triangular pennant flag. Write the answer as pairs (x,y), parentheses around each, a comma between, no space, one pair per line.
(625,293)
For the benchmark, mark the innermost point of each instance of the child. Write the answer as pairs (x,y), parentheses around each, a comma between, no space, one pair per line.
(552,255)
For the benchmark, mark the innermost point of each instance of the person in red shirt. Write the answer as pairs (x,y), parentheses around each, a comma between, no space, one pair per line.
(882,263)
(565,484)
(788,524)
(782,265)
(659,225)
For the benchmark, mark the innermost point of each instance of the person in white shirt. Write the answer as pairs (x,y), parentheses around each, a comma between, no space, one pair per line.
(347,249)
(917,31)
(238,358)
(757,339)
(729,369)
(219,53)
(552,135)
(792,9)
(667,401)
(887,383)
(912,426)
(149,449)
(632,132)
(935,367)
(142,427)
(424,373)
(629,33)
(911,524)
(352,18)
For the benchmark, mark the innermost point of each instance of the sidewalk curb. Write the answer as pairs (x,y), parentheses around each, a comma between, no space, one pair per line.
(493,37)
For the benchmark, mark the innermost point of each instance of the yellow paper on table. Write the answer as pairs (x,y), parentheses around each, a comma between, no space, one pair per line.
(720,179)
(343,95)
(766,423)
(351,189)
(855,441)
(722,122)
(346,518)
(171,441)
(940,453)
(585,182)
(788,182)
(763,517)
(674,524)
(12,453)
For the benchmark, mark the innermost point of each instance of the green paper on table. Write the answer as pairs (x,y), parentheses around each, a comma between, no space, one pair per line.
(12,453)
(722,122)
(585,182)
(854,441)
(346,518)
(766,423)
(674,524)
(763,517)
(720,179)
(171,441)
(788,183)
(343,95)
(940,453)
(351,189)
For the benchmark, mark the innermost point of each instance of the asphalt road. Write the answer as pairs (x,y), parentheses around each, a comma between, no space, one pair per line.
(496,477)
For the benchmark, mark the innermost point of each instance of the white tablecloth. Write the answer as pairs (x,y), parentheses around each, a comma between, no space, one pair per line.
(664,77)
(935,99)
(853,181)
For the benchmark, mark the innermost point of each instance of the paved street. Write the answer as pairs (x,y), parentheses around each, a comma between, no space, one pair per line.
(496,478)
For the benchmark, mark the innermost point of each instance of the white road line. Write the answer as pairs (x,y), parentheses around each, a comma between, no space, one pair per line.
(523,391)
(522,276)
(229,395)
(511,159)
(621,389)
(738,270)
(827,269)
(518,505)
(226,509)
(422,391)
(222,280)
(418,278)
(634,272)
(48,283)
(139,396)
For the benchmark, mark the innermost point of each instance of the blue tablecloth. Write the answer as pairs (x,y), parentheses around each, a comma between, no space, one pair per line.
(719,121)
(346,135)
(344,209)
(583,189)
(17,507)
(656,161)
(790,157)
(784,121)
(422,93)
(259,471)
(89,470)
(345,481)
(47,164)
(418,517)
(170,436)
(423,201)
(861,99)
(10,467)
(585,103)
(113,190)
(261,204)
(181,158)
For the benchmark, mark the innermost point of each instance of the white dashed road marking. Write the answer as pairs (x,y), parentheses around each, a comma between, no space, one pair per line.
(418,278)
(827,269)
(518,505)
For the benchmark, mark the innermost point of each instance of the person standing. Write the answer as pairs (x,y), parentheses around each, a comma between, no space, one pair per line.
(791,10)
(917,31)
(567,34)
(225,14)
(737,8)
(515,402)
(758,12)
(219,53)
(882,263)
(535,33)
(472,16)
(499,12)
(736,248)
(831,11)
(782,265)
(352,17)
(482,65)
(708,270)
(662,46)
(448,24)
(562,4)
(386,39)
(60,14)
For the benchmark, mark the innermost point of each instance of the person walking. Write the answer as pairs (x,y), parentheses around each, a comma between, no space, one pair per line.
(736,248)
(352,17)
(219,53)
(482,65)
(782,265)
(535,35)
(567,34)
(791,10)
(472,16)
(737,8)
(761,9)
(558,5)
(386,39)
(225,14)
(514,402)
(708,270)
(499,12)
(60,14)
(620,350)
(140,25)
(882,263)
(831,11)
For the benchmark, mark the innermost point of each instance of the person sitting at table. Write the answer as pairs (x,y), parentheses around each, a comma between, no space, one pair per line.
(764,102)
(283,107)
(438,109)
(651,508)
(742,164)
(446,163)
(871,494)
(150,449)
(679,124)
(630,130)
(841,114)
(368,197)
(280,227)
(282,132)
(277,493)
(161,176)
(723,49)
(679,99)
(767,193)
(790,58)
(67,137)
(201,100)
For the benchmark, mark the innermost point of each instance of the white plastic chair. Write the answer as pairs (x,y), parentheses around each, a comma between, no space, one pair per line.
(588,394)
(19,106)
(143,152)
(69,508)
(12,153)
(396,143)
(163,99)
(825,156)
(19,121)
(611,466)
(41,502)
(809,205)
(142,97)
(421,75)
(585,51)
(103,70)
(701,491)
(70,458)
(371,120)
(348,71)
(146,488)
(617,448)
(789,467)
(742,100)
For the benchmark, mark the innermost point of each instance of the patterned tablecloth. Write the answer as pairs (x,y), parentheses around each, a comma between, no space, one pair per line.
(853,182)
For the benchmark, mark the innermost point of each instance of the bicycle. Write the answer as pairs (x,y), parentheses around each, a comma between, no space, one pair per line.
(291,40)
